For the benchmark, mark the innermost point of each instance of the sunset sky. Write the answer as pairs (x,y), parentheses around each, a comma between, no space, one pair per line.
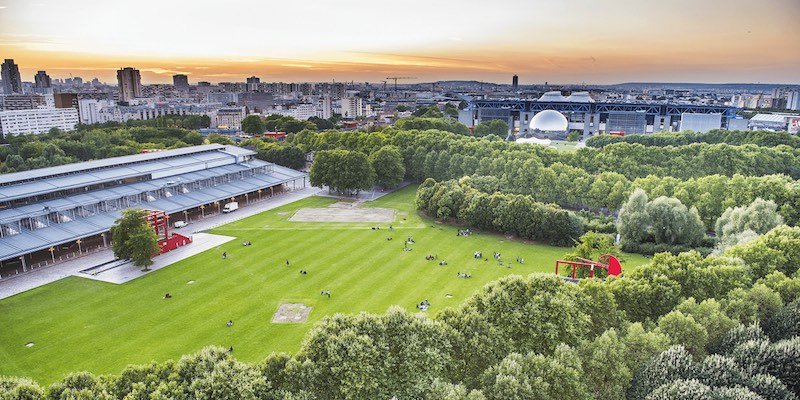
(564,41)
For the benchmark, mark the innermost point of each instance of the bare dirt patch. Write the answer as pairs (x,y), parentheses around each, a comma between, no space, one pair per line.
(291,313)
(343,214)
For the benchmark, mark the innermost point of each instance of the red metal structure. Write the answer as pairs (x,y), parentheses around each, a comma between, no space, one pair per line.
(607,262)
(166,241)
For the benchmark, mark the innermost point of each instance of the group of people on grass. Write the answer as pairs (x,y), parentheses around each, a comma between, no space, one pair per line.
(464,232)
(464,275)
(423,306)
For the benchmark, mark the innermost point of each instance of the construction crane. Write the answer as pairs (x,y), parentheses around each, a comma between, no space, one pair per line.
(395,78)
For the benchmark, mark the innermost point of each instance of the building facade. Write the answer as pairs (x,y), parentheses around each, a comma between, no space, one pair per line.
(37,121)
(590,117)
(22,101)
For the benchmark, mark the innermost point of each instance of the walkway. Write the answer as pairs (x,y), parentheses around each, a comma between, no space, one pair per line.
(42,276)
(126,272)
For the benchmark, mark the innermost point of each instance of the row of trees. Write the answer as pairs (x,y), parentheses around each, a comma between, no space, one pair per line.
(255,124)
(759,138)
(514,214)
(88,143)
(680,327)
(348,172)
(548,176)
(631,160)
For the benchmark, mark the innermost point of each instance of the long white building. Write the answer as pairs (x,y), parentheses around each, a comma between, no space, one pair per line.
(36,121)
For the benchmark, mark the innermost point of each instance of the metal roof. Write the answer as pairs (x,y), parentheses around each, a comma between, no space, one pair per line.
(776,118)
(95,196)
(29,241)
(71,176)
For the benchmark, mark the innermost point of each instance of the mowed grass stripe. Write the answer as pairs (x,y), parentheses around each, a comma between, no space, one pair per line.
(78,324)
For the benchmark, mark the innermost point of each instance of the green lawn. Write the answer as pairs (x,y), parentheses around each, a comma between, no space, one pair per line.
(80,324)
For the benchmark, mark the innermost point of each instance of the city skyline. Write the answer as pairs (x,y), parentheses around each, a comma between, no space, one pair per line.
(566,42)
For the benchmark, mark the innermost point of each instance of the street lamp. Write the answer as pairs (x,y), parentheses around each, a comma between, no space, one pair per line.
(203,210)
(52,253)
(79,246)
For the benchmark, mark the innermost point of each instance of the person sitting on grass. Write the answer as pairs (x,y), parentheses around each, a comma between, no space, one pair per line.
(224,255)
(230,323)
(167,296)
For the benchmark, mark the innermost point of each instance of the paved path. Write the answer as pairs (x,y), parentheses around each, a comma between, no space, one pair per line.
(126,272)
(42,276)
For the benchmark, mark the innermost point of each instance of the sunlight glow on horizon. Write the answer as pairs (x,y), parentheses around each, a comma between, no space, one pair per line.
(555,41)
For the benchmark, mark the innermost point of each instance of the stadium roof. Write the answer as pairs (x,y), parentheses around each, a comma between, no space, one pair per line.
(19,185)
(104,163)
(28,241)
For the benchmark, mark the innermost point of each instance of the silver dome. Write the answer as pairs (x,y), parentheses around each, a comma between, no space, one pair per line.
(549,121)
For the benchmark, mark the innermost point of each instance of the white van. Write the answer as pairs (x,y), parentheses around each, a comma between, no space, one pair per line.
(179,224)
(230,207)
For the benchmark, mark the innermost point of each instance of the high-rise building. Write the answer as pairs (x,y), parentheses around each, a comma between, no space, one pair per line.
(12,82)
(41,80)
(252,83)
(130,84)
(95,82)
(515,82)
(77,81)
(180,82)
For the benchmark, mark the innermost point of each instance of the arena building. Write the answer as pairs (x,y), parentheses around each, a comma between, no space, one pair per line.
(591,118)
(57,213)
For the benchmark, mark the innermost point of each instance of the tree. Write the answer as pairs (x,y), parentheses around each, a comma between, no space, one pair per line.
(134,238)
(496,127)
(666,220)
(343,171)
(537,377)
(219,139)
(682,329)
(388,165)
(741,224)
(673,223)
(633,218)
(253,124)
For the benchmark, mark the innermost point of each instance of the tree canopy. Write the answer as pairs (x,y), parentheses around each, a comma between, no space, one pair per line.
(134,238)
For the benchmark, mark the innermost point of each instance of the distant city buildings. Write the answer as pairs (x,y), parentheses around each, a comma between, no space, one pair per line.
(12,82)
(180,82)
(130,84)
